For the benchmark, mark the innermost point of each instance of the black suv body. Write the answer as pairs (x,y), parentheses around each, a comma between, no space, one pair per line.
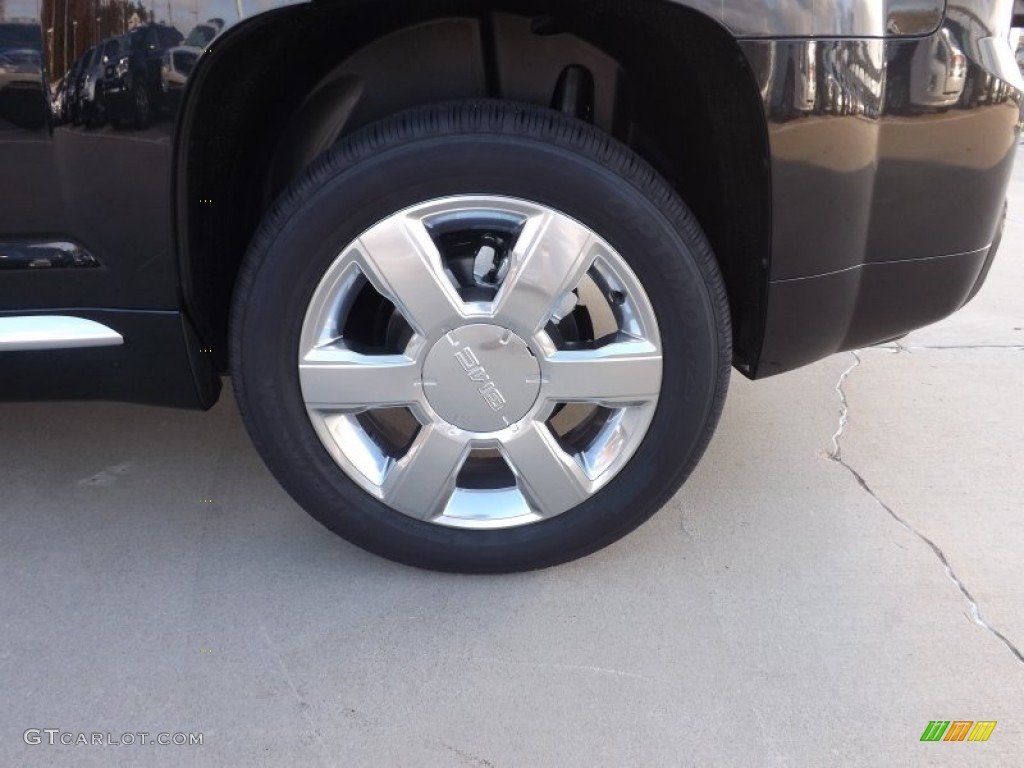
(831,176)
(132,88)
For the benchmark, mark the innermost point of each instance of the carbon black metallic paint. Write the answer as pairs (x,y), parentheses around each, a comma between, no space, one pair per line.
(886,192)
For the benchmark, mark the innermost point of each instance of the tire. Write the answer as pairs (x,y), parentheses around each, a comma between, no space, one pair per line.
(650,262)
(92,115)
(141,106)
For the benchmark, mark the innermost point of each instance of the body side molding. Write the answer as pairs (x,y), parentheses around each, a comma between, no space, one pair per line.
(40,332)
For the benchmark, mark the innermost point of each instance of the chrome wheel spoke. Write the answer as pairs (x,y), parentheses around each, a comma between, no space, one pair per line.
(405,381)
(403,264)
(550,259)
(342,380)
(620,373)
(549,478)
(424,479)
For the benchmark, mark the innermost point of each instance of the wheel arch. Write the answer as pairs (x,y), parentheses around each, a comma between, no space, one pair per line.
(277,89)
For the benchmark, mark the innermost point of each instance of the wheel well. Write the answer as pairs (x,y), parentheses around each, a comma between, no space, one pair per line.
(279,89)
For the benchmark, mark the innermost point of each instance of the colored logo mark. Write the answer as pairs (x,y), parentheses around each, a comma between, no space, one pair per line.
(958,730)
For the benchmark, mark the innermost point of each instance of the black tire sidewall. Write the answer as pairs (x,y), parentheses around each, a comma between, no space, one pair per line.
(343,197)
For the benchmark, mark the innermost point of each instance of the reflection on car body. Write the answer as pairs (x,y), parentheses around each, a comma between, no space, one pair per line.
(177,63)
(938,73)
(133,92)
(44,255)
(21,74)
(91,92)
(72,87)
(854,75)
(20,67)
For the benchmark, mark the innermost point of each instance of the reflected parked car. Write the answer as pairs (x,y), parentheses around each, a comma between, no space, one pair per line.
(20,67)
(92,91)
(21,61)
(799,85)
(86,94)
(21,75)
(133,92)
(938,72)
(177,63)
(75,87)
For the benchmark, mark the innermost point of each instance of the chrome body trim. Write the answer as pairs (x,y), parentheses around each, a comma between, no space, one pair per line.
(45,254)
(40,332)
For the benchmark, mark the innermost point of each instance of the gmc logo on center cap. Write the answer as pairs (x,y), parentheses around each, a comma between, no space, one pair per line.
(489,391)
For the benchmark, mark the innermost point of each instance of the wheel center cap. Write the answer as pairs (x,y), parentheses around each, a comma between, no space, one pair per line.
(481,378)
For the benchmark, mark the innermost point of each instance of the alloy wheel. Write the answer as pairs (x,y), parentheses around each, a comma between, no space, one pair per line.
(480,362)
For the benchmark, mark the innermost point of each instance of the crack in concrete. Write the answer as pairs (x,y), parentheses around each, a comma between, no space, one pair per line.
(897,348)
(468,757)
(540,665)
(836,455)
(844,413)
